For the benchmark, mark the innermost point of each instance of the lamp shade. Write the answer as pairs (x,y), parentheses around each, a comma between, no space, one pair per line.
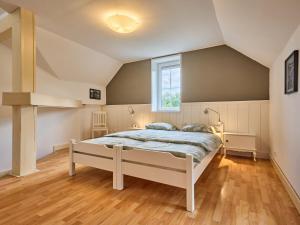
(122,23)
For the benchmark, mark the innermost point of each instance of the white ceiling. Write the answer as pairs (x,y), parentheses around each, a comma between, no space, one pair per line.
(167,26)
(69,60)
(84,49)
(7,6)
(2,13)
(258,28)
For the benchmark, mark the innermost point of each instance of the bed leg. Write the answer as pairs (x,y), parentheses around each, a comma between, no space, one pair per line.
(190,198)
(71,159)
(115,170)
(118,175)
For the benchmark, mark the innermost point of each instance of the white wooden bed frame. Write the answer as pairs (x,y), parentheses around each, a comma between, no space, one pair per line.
(162,167)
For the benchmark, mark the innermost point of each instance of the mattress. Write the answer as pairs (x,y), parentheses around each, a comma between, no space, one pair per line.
(177,143)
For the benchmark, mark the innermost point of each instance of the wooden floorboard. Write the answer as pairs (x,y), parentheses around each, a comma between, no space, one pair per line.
(233,191)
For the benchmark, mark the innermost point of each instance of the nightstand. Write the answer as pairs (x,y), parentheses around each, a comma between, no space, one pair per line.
(240,142)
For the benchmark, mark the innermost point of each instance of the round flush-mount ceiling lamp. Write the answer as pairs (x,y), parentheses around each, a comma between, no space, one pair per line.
(122,23)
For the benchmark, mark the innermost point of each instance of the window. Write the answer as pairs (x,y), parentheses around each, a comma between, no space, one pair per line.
(166,83)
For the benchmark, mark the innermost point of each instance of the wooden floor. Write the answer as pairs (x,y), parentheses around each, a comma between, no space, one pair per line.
(231,191)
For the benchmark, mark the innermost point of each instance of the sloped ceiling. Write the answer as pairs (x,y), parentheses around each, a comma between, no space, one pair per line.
(2,13)
(7,6)
(75,44)
(72,62)
(258,28)
(69,60)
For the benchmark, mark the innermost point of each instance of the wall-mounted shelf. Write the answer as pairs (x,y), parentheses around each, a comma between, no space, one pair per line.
(35,99)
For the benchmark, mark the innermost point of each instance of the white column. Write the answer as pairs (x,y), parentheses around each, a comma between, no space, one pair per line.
(20,24)
(24,140)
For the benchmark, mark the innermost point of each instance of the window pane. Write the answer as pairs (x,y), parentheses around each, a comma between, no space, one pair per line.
(166,83)
(175,77)
(166,80)
(170,87)
(170,98)
(176,97)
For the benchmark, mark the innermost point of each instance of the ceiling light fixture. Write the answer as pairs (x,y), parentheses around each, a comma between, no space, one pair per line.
(122,23)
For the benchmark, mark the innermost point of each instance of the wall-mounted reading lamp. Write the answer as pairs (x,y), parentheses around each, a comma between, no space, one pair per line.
(209,109)
(132,112)
(220,126)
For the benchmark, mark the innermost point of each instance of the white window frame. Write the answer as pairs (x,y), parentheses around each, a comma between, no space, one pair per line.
(156,87)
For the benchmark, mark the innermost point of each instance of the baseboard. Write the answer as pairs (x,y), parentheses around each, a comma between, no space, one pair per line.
(259,155)
(287,185)
(60,147)
(5,172)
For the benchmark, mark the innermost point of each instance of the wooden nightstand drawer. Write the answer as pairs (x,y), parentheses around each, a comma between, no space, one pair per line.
(240,142)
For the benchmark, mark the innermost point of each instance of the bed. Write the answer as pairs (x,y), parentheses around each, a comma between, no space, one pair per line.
(174,158)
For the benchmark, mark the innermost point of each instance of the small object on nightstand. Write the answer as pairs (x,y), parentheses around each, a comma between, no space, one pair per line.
(241,142)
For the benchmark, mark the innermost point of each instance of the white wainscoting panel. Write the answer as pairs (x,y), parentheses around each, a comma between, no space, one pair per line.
(238,116)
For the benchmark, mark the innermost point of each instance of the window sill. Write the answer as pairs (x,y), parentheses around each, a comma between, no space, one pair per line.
(166,111)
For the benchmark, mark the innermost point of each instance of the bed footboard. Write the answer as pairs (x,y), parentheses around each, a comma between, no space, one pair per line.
(160,167)
(94,155)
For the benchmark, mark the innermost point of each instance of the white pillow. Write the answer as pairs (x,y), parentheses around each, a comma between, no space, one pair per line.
(160,126)
(196,127)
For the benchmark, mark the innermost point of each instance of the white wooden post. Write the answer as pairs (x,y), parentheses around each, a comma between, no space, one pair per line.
(190,201)
(115,168)
(20,25)
(23,78)
(71,162)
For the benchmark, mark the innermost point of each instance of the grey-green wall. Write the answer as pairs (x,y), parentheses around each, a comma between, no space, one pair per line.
(212,74)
